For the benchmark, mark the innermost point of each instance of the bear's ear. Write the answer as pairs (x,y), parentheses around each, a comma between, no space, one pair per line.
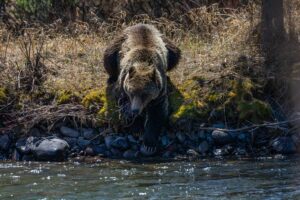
(174,54)
(111,58)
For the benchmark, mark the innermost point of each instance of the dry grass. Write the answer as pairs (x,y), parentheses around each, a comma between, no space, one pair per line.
(210,49)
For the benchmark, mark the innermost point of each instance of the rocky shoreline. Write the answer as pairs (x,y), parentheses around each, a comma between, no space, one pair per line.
(68,143)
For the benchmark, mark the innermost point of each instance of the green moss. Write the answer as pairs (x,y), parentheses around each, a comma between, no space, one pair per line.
(64,97)
(92,98)
(243,106)
(3,95)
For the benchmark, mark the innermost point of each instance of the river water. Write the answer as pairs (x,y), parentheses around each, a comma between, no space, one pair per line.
(263,178)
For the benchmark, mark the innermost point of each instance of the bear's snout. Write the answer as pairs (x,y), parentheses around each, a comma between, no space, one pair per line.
(136,106)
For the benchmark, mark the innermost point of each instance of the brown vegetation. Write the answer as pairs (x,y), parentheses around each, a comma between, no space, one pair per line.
(48,70)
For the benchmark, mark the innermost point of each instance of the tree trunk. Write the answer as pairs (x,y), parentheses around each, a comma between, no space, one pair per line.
(273,33)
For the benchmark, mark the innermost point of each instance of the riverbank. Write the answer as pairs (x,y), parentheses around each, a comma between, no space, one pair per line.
(224,100)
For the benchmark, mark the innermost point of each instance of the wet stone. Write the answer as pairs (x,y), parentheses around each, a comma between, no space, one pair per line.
(88,133)
(21,145)
(240,151)
(203,147)
(221,137)
(201,135)
(108,140)
(131,139)
(130,154)
(4,142)
(82,143)
(89,151)
(165,141)
(99,149)
(116,152)
(120,143)
(54,149)
(284,145)
(192,153)
(69,132)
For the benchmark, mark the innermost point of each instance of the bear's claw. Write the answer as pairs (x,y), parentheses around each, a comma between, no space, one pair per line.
(148,151)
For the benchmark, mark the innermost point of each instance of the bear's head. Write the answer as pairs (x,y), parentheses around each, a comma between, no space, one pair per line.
(142,84)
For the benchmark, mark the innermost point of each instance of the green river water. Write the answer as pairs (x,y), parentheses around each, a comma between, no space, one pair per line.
(264,178)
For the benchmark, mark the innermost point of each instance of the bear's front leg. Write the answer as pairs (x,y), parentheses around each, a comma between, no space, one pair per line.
(156,120)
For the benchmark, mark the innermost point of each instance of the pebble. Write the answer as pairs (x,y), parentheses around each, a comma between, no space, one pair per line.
(131,139)
(108,140)
(201,135)
(130,154)
(203,147)
(221,137)
(116,152)
(88,133)
(99,149)
(69,132)
(4,142)
(284,145)
(192,153)
(120,143)
(89,151)
(82,143)
(54,149)
(165,141)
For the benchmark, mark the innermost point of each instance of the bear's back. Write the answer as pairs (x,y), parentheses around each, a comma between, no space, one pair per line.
(143,36)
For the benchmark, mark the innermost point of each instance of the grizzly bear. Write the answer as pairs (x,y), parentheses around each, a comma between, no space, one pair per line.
(137,62)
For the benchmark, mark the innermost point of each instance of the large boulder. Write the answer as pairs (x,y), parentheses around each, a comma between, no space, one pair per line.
(53,149)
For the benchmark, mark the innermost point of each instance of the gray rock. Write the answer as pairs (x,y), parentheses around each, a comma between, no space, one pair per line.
(21,145)
(53,149)
(116,152)
(226,150)
(88,133)
(201,135)
(82,143)
(89,151)
(4,142)
(120,143)
(131,139)
(240,151)
(130,154)
(203,147)
(221,137)
(192,153)
(165,141)
(69,132)
(284,145)
(108,140)
(100,149)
